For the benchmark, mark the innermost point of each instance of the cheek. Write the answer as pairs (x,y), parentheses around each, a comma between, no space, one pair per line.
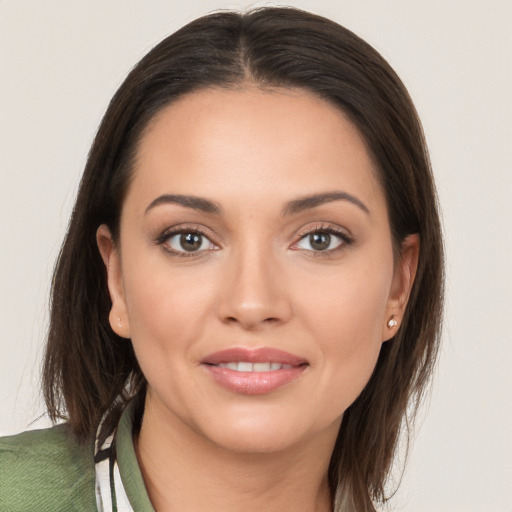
(166,306)
(346,321)
(350,302)
(167,310)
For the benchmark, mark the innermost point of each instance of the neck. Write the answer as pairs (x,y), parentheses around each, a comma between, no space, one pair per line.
(184,471)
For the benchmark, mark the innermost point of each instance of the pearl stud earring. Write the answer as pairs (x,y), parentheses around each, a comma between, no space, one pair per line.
(392,323)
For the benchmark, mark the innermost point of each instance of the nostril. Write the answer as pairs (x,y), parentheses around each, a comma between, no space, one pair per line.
(251,323)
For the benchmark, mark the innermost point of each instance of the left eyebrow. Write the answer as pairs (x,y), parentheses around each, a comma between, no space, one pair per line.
(314,200)
(193,202)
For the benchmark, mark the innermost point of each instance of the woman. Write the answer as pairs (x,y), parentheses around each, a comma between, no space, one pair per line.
(248,299)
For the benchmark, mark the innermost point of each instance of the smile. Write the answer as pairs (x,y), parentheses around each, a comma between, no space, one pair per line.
(245,366)
(254,371)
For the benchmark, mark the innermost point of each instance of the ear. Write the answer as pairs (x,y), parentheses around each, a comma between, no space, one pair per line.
(118,316)
(401,286)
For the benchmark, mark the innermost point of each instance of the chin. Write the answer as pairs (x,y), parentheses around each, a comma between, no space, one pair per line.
(269,434)
(256,441)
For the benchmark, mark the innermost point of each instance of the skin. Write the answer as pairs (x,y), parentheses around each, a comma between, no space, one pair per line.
(256,281)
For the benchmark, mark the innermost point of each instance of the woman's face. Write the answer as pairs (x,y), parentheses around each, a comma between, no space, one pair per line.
(255,273)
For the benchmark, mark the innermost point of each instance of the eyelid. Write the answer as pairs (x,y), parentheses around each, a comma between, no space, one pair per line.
(325,227)
(345,236)
(183,229)
(322,227)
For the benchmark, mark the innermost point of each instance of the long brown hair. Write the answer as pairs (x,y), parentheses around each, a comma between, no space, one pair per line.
(90,373)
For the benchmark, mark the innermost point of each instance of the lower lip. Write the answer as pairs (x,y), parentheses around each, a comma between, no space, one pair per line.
(254,383)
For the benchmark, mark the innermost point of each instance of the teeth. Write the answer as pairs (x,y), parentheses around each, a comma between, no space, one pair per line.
(244,366)
(261,367)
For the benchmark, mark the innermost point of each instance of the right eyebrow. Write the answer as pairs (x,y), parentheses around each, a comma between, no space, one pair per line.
(193,202)
(314,200)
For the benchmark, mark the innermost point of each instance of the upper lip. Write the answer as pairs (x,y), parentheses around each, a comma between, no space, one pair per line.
(257,355)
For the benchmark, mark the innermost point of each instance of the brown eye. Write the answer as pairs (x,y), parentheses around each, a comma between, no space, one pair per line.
(320,241)
(189,242)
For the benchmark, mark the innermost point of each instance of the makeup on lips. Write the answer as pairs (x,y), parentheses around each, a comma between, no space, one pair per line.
(254,372)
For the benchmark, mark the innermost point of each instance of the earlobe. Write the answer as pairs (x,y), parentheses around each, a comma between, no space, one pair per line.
(403,280)
(118,316)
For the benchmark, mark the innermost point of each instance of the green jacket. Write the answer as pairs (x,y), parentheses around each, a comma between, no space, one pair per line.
(46,471)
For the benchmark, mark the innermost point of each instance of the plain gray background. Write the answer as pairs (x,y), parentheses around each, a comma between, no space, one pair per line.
(61,62)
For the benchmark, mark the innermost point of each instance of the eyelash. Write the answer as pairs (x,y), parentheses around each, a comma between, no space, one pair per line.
(322,229)
(326,229)
(182,230)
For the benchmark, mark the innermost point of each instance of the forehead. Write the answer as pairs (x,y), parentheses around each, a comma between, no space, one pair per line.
(251,142)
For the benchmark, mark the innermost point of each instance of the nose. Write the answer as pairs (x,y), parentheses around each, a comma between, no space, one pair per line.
(254,294)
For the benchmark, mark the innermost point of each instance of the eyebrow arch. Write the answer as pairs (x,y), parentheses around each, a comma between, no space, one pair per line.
(307,202)
(193,202)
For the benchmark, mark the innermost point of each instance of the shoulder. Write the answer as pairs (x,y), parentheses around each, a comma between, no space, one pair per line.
(46,470)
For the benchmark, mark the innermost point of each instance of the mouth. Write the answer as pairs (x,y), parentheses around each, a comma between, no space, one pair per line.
(246,366)
(254,372)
